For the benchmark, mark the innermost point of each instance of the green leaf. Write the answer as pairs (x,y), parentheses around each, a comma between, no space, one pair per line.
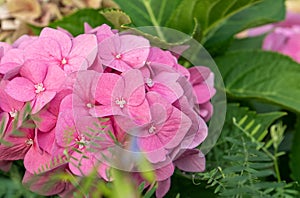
(74,22)
(116,17)
(250,43)
(262,75)
(265,11)
(294,156)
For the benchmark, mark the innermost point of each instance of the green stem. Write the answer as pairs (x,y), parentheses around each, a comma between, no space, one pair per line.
(153,19)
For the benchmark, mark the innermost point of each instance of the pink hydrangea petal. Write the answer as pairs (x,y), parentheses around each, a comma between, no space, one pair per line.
(269,44)
(134,50)
(35,159)
(206,111)
(163,188)
(66,132)
(46,140)
(44,120)
(203,93)
(85,46)
(21,89)
(140,114)
(164,172)
(54,79)
(62,38)
(134,87)
(7,103)
(45,49)
(34,71)
(191,161)
(42,99)
(103,110)
(44,184)
(18,147)
(158,55)
(199,74)
(81,164)
(105,87)
(10,69)
(5,165)
(13,56)
(174,129)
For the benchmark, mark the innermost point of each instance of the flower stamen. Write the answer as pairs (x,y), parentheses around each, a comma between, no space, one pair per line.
(39,88)
(121,102)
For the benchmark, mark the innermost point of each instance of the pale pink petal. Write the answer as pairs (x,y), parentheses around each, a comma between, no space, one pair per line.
(65,131)
(46,140)
(105,88)
(84,46)
(62,38)
(174,129)
(21,89)
(102,111)
(7,103)
(164,172)
(13,56)
(55,78)
(35,71)
(140,114)
(163,188)
(191,161)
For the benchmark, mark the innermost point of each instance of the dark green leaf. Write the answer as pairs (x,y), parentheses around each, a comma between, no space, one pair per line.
(295,153)
(262,75)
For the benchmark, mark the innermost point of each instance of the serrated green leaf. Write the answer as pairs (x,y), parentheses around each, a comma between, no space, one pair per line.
(116,17)
(262,75)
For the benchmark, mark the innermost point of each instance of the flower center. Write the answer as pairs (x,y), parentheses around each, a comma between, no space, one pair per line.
(29,142)
(121,102)
(63,61)
(13,113)
(89,105)
(81,141)
(149,82)
(152,129)
(118,56)
(39,88)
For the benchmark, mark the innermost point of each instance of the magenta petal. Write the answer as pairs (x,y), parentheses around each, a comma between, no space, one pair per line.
(42,99)
(191,161)
(163,188)
(21,89)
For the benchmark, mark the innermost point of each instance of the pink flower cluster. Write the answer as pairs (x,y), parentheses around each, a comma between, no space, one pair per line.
(283,37)
(66,102)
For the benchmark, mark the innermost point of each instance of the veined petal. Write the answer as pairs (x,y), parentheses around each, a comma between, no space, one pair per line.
(21,89)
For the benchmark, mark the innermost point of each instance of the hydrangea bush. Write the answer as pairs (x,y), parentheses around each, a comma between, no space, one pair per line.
(90,94)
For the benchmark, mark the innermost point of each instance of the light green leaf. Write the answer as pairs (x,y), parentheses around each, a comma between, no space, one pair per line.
(262,75)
